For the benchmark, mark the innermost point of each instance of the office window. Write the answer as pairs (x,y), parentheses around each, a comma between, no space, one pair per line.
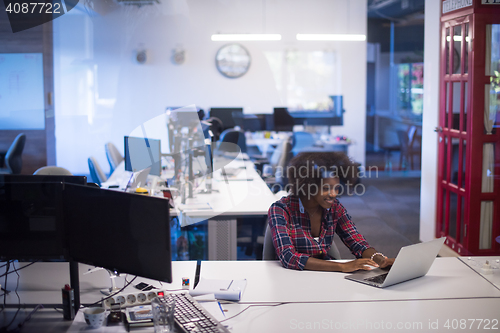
(410,95)
(305,79)
(21,91)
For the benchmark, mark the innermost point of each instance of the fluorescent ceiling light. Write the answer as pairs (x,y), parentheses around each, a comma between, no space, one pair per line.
(243,37)
(332,37)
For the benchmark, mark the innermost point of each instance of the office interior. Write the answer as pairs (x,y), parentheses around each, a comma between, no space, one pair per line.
(108,68)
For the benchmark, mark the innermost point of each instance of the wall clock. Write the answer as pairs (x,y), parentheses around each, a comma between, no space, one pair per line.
(232,60)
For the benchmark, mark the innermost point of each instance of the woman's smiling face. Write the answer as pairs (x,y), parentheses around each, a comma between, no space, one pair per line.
(327,192)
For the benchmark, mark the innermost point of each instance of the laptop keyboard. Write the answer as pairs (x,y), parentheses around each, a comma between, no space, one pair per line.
(377,279)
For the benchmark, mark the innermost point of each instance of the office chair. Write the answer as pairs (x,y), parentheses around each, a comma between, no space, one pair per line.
(279,161)
(269,253)
(216,127)
(238,118)
(113,155)
(13,157)
(52,171)
(302,140)
(96,172)
(236,137)
(410,146)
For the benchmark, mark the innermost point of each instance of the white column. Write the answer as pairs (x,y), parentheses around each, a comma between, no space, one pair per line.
(428,192)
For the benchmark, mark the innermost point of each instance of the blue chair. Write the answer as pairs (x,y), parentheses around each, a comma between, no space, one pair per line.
(96,172)
(236,137)
(301,140)
(113,155)
(12,161)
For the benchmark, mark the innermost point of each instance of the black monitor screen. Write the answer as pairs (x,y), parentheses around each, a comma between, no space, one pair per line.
(225,115)
(124,232)
(142,153)
(283,121)
(31,224)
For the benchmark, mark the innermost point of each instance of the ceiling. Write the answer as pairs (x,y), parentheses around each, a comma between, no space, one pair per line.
(408,19)
(396,10)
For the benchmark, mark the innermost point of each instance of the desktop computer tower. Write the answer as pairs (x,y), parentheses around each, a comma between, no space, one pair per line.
(222,239)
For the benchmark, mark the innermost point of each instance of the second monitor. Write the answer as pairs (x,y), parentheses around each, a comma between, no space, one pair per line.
(141,153)
(226,116)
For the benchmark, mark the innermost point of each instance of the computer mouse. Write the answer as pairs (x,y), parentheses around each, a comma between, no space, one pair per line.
(141,190)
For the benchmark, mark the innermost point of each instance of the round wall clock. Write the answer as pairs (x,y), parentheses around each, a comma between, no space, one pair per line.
(232,60)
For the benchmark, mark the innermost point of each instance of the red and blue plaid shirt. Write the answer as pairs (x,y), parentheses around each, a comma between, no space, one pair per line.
(291,231)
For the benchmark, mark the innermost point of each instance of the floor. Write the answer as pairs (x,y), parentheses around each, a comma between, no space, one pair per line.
(387,214)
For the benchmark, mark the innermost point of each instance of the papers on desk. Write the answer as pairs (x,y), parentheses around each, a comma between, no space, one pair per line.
(230,290)
(232,174)
(195,206)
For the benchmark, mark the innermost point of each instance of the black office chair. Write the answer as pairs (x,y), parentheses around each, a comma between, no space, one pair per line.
(216,127)
(236,137)
(12,162)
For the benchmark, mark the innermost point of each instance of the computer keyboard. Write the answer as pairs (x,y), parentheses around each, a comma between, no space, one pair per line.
(191,317)
(377,279)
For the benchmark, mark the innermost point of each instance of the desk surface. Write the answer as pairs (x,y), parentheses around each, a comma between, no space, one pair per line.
(451,297)
(41,283)
(268,281)
(449,315)
(477,264)
(243,195)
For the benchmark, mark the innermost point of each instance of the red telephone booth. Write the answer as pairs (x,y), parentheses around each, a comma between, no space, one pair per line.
(468,204)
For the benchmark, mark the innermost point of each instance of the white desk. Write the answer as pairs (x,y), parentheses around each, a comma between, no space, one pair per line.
(244,195)
(451,294)
(390,316)
(42,282)
(268,281)
(476,263)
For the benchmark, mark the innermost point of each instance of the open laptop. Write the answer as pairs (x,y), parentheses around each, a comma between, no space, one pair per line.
(138,179)
(413,261)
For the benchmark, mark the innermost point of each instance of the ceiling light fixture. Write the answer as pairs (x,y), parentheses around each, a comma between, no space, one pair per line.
(332,37)
(245,37)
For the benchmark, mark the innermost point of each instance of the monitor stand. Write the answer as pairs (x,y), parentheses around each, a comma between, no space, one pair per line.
(74,281)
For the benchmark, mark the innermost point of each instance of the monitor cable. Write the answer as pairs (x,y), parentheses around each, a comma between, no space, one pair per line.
(5,328)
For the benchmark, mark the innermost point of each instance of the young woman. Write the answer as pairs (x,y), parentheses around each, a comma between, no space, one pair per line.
(303,223)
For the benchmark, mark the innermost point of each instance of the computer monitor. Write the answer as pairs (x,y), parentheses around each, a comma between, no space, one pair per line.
(338,105)
(225,115)
(283,121)
(31,220)
(123,232)
(141,153)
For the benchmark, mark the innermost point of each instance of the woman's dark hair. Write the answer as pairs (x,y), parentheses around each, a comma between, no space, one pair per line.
(308,169)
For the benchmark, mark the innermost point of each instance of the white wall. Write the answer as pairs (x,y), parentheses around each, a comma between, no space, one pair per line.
(102,94)
(428,187)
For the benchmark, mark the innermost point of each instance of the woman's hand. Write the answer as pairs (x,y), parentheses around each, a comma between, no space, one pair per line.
(385,262)
(357,264)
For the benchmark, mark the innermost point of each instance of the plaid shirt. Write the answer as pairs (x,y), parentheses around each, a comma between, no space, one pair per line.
(291,231)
